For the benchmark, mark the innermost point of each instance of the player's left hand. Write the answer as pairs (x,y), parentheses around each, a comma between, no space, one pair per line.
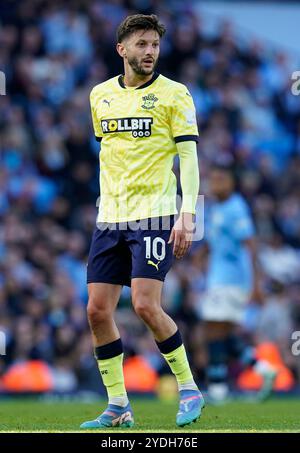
(257,294)
(182,234)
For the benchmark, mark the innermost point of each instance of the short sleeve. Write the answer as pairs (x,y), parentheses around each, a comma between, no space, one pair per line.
(96,122)
(243,227)
(183,116)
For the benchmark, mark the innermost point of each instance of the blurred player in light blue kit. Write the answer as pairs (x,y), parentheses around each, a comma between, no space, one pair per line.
(232,280)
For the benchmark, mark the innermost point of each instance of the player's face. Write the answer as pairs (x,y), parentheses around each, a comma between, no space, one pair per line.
(142,51)
(220,183)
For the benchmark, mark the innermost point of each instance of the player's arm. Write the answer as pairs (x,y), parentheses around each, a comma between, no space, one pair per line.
(96,122)
(251,245)
(182,232)
(185,133)
(244,231)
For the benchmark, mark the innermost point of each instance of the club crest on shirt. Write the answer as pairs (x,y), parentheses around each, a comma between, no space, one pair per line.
(149,101)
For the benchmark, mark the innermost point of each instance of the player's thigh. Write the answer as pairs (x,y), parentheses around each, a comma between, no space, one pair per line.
(152,256)
(109,258)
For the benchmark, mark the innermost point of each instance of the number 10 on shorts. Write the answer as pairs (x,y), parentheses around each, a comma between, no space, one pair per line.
(157,246)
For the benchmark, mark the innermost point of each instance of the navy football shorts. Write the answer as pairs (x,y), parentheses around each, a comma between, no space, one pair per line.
(126,250)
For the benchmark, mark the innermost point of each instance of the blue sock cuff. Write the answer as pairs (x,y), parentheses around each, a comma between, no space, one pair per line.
(170,344)
(108,351)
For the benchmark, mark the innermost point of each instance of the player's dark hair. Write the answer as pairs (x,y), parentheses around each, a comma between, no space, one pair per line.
(139,22)
(229,168)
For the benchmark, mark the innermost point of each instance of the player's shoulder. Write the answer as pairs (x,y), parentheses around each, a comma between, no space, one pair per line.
(238,202)
(173,85)
(103,87)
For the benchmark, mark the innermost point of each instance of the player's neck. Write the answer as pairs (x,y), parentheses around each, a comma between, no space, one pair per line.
(131,79)
(223,197)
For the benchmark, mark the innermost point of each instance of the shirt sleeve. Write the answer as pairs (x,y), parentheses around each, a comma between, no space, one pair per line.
(189,175)
(96,122)
(243,227)
(183,116)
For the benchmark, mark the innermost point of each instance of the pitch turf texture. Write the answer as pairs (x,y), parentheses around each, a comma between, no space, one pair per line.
(152,416)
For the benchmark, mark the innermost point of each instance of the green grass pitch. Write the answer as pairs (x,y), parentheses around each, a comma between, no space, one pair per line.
(151,416)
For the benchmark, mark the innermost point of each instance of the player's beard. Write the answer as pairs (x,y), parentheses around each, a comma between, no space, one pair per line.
(137,67)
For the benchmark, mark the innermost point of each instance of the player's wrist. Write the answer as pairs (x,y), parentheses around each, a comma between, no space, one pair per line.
(188,216)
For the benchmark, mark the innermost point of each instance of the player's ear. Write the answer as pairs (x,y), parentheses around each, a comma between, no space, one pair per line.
(121,50)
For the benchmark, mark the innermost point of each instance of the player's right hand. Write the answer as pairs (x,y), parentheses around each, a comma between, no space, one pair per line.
(182,234)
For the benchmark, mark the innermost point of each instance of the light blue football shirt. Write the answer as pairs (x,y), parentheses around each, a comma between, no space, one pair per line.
(228,224)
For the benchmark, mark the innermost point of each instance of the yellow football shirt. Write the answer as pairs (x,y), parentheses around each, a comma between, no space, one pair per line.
(138,129)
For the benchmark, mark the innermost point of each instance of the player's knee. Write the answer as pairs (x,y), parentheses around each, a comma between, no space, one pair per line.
(145,308)
(97,311)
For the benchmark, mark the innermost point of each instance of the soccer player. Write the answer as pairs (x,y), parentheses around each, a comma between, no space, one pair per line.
(143,120)
(232,279)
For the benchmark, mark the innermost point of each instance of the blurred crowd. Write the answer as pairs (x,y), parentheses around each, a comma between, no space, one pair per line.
(53,53)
